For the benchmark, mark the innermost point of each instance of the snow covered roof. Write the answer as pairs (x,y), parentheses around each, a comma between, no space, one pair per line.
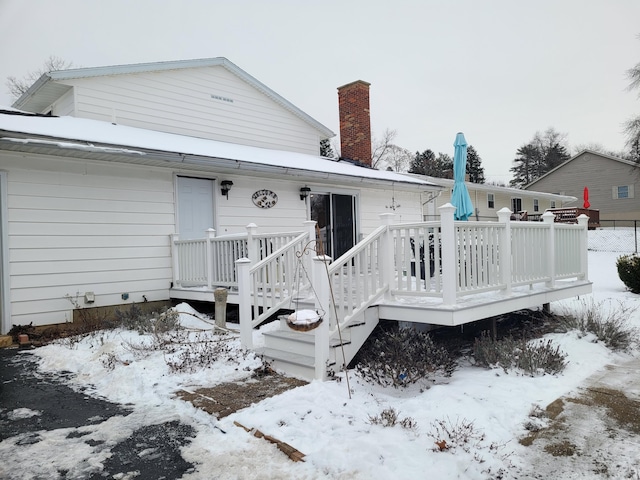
(48,88)
(85,138)
(448,183)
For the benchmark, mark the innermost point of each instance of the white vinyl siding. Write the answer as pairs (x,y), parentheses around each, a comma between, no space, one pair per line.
(65,105)
(77,227)
(201,102)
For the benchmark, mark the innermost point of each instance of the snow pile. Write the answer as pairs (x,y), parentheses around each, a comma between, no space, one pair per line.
(466,426)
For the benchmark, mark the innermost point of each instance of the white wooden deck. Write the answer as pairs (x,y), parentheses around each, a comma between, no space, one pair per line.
(439,273)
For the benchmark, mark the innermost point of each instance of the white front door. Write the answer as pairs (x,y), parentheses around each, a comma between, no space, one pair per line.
(195,207)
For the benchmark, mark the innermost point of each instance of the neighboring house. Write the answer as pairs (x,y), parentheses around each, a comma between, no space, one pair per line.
(88,205)
(489,199)
(612,184)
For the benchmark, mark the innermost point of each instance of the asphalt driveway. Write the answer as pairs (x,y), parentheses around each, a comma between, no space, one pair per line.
(31,404)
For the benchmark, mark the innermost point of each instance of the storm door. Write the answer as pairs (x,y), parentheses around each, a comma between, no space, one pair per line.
(195,207)
(336,217)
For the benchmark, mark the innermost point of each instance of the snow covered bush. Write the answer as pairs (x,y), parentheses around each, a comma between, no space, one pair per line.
(629,271)
(390,417)
(608,323)
(531,357)
(402,357)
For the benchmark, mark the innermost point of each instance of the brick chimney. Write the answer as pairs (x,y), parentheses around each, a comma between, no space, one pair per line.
(355,122)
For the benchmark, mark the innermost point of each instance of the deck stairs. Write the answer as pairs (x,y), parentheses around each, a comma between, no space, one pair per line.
(293,352)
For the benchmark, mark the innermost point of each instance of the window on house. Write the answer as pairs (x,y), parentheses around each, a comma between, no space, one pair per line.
(536,205)
(516,205)
(623,191)
(491,203)
(553,204)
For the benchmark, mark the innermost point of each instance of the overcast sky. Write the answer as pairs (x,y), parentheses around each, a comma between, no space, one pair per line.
(497,70)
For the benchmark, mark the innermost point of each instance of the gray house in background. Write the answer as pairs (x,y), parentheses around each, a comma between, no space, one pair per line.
(612,184)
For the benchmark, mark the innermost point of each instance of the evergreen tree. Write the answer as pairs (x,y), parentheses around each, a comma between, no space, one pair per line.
(426,163)
(543,153)
(474,166)
(325,149)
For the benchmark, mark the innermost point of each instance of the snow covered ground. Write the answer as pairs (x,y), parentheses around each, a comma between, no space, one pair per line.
(334,431)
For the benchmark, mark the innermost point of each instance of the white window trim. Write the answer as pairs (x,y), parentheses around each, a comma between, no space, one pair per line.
(491,198)
(615,190)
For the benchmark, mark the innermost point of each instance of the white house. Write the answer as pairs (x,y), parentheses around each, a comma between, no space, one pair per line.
(89,199)
(488,199)
(142,183)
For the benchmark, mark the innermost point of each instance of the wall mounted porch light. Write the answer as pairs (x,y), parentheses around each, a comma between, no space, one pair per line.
(304,193)
(225,186)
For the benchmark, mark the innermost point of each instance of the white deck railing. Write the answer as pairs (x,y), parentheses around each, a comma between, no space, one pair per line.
(210,261)
(446,260)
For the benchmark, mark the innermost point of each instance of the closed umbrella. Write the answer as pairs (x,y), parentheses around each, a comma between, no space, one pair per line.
(585,195)
(460,197)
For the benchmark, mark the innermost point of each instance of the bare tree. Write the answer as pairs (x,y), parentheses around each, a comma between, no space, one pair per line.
(632,126)
(598,147)
(17,86)
(398,159)
(380,148)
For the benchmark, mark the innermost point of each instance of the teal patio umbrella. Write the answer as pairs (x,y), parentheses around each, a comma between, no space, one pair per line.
(460,197)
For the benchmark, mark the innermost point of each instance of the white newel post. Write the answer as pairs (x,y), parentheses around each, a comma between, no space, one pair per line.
(583,221)
(175,261)
(323,304)
(210,234)
(310,228)
(449,264)
(387,255)
(252,245)
(243,265)
(504,217)
(549,219)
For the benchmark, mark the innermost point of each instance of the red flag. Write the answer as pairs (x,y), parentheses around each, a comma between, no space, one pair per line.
(586,198)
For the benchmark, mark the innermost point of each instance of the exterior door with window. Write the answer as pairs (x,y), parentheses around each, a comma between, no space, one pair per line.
(336,218)
(195,207)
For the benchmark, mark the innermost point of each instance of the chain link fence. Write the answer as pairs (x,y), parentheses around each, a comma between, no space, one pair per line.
(615,236)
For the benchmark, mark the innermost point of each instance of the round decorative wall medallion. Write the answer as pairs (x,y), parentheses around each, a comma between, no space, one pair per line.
(264,198)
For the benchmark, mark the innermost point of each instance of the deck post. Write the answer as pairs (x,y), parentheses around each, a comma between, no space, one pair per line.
(549,219)
(243,265)
(323,304)
(252,245)
(449,265)
(583,221)
(504,217)
(386,256)
(175,261)
(210,234)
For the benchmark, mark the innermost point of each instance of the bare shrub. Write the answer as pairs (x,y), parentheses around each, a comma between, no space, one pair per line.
(134,318)
(402,357)
(459,434)
(389,417)
(532,357)
(608,323)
